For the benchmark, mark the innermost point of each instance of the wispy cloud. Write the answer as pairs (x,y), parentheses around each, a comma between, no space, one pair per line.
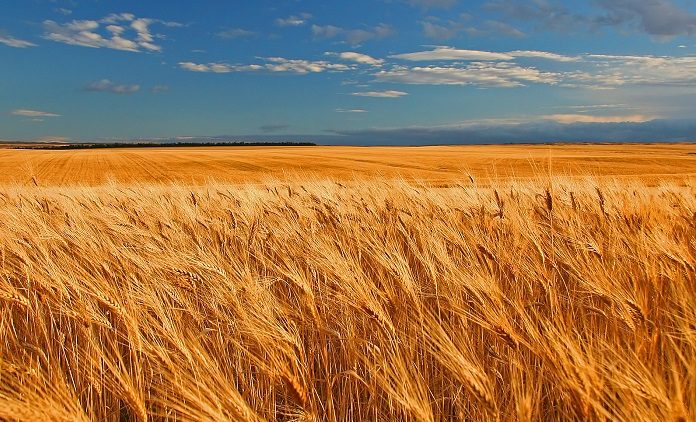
(505,69)
(439,29)
(15,42)
(659,18)
(272,64)
(160,89)
(544,55)
(489,74)
(120,31)
(432,4)
(23,112)
(380,94)
(609,71)
(236,33)
(351,110)
(444,53)
(353,37)
(595,107)
(294,20)
(587,118)
(106,85)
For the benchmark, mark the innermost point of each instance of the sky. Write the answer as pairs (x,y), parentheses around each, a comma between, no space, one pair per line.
(354,72)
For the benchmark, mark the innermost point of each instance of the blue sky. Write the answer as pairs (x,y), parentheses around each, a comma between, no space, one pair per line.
(361,71)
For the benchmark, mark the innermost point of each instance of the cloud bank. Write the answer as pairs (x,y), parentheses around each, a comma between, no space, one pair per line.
(526,132)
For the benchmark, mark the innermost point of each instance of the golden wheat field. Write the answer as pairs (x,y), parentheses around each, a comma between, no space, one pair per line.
(436,164)
(422,284)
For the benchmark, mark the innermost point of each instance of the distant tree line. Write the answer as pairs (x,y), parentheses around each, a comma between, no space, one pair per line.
(166,144)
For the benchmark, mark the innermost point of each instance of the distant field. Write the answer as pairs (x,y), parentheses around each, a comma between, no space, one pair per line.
(438,164)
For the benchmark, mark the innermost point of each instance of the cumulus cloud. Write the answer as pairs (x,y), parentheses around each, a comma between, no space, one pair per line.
(106,85)
(15,42)
(358,58)
(294,20)
(280,64)
(118,31)
(272,64)
(353,37)
(380,94)
(23,112)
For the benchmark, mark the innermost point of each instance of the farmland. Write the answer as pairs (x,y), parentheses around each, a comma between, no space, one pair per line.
(437,164)
(434,283)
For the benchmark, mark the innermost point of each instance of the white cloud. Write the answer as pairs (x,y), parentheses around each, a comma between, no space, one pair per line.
(585,118)
(380,94)
(195,67)
(488,74)
(294,20)
(443,53)
(273,64)
(490,69)
(118,31)
(358,58)
(33,113)
(105,85)
(280,64)
(449,53)
(613,70)
(351,110)
(15,42)
(544,55)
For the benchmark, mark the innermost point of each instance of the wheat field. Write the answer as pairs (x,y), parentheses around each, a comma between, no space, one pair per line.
(441,165)
(543,298)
